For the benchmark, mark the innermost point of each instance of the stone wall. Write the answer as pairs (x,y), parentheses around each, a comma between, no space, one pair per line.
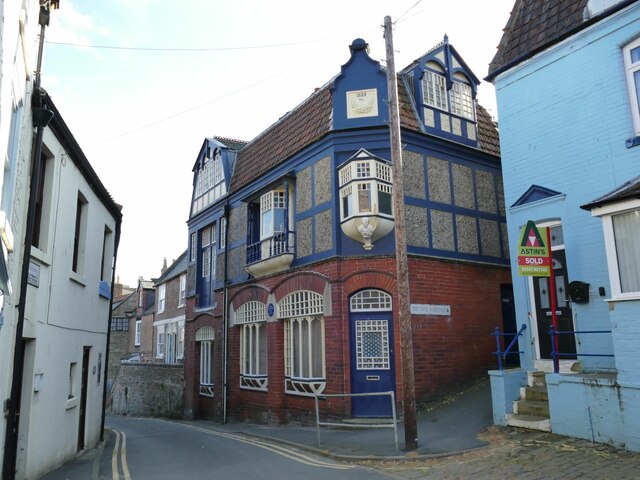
(148,390)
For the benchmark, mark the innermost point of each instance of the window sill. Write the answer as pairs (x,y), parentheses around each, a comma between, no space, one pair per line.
(41,256)
(632,298)
(72,402)
(632,142)
(79,279)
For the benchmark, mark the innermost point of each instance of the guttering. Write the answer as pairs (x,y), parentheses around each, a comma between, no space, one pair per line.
(225,315)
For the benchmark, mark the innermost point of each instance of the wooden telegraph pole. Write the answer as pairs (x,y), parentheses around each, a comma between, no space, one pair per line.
(402,264)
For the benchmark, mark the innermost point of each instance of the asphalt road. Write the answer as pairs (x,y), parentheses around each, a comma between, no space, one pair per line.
(141,449)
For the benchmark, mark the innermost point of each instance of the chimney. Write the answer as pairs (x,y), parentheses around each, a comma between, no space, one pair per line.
(164,266)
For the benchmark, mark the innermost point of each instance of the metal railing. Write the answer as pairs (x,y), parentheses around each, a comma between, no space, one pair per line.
(392,423)
(278,244)
(555,355)
(508,351)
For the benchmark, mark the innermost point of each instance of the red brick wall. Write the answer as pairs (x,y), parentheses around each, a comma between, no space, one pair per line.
(449,351)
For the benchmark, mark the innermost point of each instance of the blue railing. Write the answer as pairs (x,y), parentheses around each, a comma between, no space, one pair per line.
(277,245)
(555,355)
(509,350)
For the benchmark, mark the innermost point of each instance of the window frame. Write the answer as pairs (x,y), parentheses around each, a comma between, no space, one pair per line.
(182,294)
(206,337)
(138,334)
(251,318)
(434,90)
(606,213)
(162,297)
(632,68)
(298,309)
(461,100)
(161,336)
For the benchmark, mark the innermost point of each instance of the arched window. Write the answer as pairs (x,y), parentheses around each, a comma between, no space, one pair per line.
(251,318)
(371,300)
(304,342)
(205,336)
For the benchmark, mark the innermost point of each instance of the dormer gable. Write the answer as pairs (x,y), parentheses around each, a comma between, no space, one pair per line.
(444,90)
(212,171)
(359,91)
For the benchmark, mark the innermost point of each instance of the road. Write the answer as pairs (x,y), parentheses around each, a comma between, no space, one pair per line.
(145,449)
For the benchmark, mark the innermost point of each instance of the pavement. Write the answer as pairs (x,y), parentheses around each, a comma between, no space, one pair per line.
(456,440)
(448,427)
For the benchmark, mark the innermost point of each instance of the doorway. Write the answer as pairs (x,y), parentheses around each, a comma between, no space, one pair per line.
(372,355)
(509,324)
(83,396)
(542,302)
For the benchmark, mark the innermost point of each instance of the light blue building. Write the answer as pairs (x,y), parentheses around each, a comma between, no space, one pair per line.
(567,78)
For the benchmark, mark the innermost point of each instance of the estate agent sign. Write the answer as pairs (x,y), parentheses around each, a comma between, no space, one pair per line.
(534,259)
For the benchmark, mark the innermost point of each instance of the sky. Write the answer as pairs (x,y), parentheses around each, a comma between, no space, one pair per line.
(142,83)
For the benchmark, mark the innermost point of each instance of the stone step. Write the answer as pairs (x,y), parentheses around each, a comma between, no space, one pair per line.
(531,422)
(531,407)
(537,379)
(536,394)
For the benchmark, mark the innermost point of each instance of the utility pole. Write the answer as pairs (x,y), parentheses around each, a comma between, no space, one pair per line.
(402,263)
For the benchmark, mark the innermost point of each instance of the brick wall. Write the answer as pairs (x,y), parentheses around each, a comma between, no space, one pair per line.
(449,351)
(154,390)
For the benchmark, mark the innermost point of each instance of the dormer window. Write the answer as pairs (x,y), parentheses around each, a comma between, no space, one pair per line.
(210,185)
(434,90)
(462,100)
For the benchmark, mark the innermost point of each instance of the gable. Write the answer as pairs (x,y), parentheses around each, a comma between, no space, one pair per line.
(535,193)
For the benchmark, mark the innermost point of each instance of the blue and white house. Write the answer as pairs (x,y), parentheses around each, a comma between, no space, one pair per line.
(567,78)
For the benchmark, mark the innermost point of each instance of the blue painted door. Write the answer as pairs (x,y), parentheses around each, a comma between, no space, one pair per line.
(372,363)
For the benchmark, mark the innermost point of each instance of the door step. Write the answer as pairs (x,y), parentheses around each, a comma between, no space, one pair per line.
(532,409)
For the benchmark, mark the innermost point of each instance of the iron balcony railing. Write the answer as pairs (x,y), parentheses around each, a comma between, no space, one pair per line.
(278,244)
(556,354)
(509,350)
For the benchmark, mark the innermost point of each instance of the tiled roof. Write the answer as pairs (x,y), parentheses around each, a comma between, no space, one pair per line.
(231,143)
(488,136)
(297,129)
(311,120)
(535,25)
(629,190)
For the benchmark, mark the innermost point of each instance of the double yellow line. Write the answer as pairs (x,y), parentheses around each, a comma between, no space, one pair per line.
(280,450)
(121,451)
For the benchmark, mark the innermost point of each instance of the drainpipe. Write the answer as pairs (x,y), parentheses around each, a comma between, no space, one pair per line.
(225,315)
(41,116)
(106,355)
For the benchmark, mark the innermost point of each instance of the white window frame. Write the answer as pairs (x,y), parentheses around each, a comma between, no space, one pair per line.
(183,291)
(362,183)
(633,84)
(206,337)
(210,185)
(302,312)
(251,317)
(180,347)
(462,100)
(138,333)
(269,203)
(434,90)
(160,341)
(223,232)
(162,297)
(607,213)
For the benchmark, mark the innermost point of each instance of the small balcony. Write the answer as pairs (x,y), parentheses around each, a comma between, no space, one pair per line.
(271,255)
